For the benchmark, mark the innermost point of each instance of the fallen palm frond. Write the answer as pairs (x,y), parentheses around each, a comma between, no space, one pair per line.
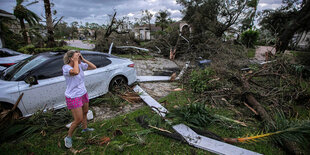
(131,97)
(297,131)
(198,115)
(47,122)
(223,118)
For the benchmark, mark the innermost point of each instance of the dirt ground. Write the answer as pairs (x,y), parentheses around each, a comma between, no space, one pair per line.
(157,66)
(261,51)
(80,44)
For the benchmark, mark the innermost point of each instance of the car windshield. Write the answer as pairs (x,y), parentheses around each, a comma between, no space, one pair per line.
(16,71)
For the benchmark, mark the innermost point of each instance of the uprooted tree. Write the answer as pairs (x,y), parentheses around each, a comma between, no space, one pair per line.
(116,26)
(213,15)
(291,18)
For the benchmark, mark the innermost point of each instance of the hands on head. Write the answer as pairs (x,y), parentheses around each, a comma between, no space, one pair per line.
(77,57)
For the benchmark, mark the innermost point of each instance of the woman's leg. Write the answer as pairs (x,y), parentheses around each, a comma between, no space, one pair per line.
(78,118)
(85,110)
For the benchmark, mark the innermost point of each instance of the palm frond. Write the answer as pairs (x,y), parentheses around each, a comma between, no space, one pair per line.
(32,18)
(19,2)
(34,2)
(297,131)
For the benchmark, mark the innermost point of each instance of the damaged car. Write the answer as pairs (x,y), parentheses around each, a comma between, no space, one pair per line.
(41,80)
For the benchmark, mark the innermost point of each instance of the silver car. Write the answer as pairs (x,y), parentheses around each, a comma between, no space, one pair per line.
(40,79)
(9,57)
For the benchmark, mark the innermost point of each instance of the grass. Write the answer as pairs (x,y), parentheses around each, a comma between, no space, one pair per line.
(251,52)
(135,139)
(52,142)
(264,147)
(302,57)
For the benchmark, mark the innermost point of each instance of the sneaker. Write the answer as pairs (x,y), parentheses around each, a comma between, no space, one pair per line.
(87,130)
(68,142)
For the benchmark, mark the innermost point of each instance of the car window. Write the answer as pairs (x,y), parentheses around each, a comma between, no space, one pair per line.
(98,60)
(18,70)
(50,70)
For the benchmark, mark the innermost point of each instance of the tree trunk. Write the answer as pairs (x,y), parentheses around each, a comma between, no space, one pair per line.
(23,27)
(49,24)
(291,147)
(302,20)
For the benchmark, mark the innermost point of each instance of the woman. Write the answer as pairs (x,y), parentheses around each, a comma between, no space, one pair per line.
(76,93)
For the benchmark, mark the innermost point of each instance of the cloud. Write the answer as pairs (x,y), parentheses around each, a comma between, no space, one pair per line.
(98,10)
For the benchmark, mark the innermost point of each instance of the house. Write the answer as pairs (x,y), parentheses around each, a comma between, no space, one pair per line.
(184,27)
(85,33)
(144,33)
(303,40)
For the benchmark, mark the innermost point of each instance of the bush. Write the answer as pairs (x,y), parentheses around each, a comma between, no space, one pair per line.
(249,38)
(29,49)
(11,40)
(303,57)
(200,80)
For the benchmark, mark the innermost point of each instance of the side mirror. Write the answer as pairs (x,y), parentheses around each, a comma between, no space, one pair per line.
(31,80)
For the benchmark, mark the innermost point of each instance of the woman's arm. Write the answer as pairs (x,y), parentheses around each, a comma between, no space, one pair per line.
(91,66)
(76,69)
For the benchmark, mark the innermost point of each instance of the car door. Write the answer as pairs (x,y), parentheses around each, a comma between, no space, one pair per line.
(49,92)
(96,80)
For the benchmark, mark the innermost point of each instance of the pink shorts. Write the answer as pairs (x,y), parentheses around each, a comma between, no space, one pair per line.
(77,102)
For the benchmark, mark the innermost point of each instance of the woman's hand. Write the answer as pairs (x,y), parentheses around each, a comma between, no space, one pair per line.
(82,58)
(75,57)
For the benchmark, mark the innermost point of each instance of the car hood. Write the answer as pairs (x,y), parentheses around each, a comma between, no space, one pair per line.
(4,85)
(14,59)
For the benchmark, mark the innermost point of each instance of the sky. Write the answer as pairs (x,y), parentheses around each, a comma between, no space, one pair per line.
(97,11)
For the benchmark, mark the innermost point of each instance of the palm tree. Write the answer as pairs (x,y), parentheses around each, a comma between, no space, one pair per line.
(162,19)
(49,24)
(22,13)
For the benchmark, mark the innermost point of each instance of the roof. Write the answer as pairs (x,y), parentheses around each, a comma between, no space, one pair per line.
(153,27)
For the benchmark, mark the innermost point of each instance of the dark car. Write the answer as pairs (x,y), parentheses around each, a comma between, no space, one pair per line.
(9,57)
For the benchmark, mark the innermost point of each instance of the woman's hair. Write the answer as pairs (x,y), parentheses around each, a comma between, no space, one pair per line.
(69,55)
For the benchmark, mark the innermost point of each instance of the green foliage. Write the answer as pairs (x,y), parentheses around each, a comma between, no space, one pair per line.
(47,122)
(134,140)
(303,57)
(200,80)
(249,38)
(111,100)
(290,130)
(162,19)
(11,40)
(200,116)
(251,52)
(195,114)
(276,20)
(21,12)
(213,15)
(31,49)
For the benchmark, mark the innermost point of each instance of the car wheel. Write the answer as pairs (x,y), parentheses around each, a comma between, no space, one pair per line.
(118,83)
(5,107)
